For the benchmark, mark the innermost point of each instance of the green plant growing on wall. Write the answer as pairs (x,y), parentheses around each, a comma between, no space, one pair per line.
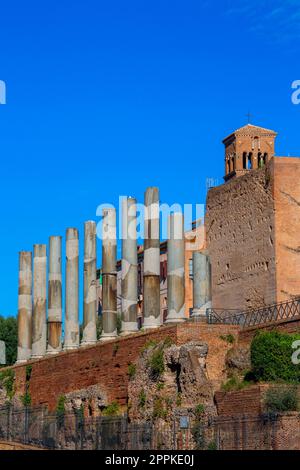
(159,410)
(271,357)
(281,398)
(199,410)
(148,345)
(119,324)
(142,399)
(228,338)
(60,410)
(7,378)
(26,399)
(156,363)
(28,373)
(113,409)
(131,370)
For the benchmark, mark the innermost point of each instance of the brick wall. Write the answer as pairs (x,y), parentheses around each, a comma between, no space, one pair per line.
(242,402)
(106,364)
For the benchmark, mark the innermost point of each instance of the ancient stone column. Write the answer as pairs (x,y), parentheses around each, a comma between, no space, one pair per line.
(39,319)
(201,284)
(129,267)
(176,271)
(109,275)
(24,307)
(72,290)
(89,285)
(54,296)
(152,260)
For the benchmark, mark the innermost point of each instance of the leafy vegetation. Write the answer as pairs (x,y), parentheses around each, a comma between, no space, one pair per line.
(26,399)
(156,363)
(112,410)
(60,410)
(7,379)
(199,410)
(159,410)
(271,357)
(9,334)
(228,338)
(234,384)
(142,398)
(131,370)
(281,398)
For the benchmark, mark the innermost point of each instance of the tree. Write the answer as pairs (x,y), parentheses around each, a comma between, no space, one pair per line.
(9,334)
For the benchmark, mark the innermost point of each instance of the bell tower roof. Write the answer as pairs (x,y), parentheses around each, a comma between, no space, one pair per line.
(250,130)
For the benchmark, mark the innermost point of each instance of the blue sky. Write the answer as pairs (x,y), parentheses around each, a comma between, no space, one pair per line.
(106,98)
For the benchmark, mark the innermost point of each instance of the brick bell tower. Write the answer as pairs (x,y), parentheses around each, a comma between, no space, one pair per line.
(246,149)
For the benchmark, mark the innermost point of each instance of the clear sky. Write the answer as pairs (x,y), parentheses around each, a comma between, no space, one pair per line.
(106,98)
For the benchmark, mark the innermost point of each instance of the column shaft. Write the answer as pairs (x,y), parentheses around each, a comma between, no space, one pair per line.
(176,269)
(25,307)
(109,275)
(54,296)
(72,290)
(201,284)
(39,319)
(129,267)
(152,260)
(90,281)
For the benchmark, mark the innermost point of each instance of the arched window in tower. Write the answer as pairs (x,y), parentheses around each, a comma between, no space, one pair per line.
(245,160)
(249,161)
(228,166)
(259,160)
(256,143)
(265,158)
(233,163)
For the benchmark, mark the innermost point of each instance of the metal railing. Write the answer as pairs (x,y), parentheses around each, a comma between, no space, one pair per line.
(253,317)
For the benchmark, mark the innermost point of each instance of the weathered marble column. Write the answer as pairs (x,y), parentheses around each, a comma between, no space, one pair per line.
(54,296)
(201,284)
(109,275)
(72,290)
(24,307)
(39,319)
(89,285)
(176,269)
(152,260)
(129,267)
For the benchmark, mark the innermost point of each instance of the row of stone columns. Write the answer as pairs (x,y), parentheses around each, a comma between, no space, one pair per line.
(36,340)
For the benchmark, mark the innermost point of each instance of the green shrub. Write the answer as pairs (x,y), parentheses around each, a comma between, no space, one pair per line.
(131,370)
(228,338)
(281,398)
(60,410)
(160,386)
(7,378)
(234,384)
(271,354)
(199,410)
(212,446)
(119,324)
(26,399)
(142,399)
(159,410)
(156,363)
(112,410)
(28,373)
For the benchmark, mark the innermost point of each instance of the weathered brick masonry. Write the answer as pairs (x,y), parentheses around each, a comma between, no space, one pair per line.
(253,226)
(106,364)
